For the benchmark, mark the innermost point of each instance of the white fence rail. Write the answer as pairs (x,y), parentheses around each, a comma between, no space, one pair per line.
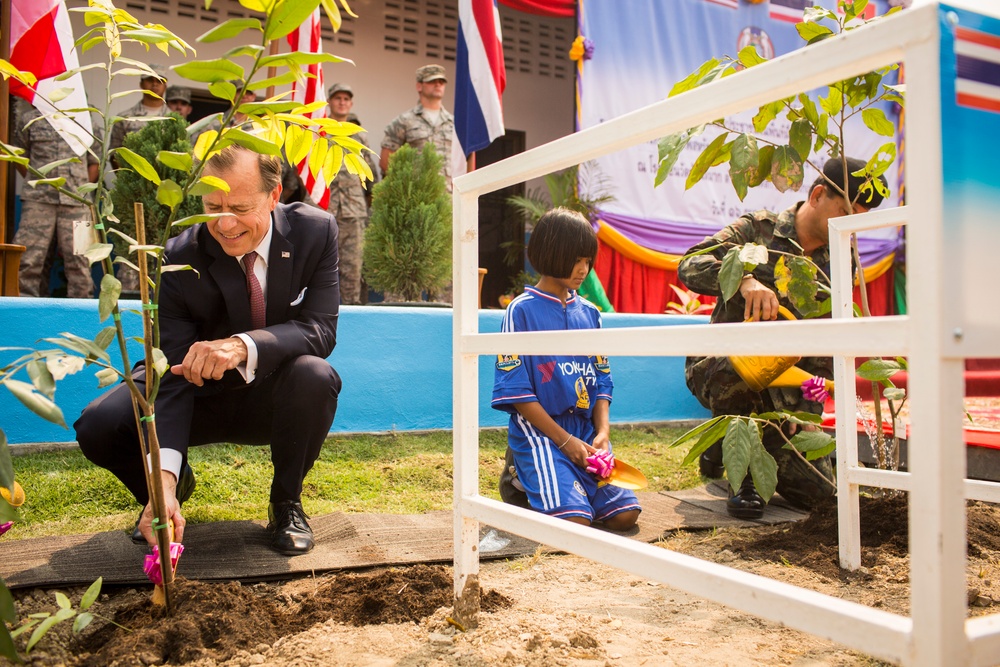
(937,633)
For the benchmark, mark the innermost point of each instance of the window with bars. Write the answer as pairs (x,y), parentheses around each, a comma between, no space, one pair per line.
(428,28)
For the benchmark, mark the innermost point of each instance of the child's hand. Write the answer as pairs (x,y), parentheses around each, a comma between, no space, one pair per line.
(602,442)
(577,450)
(601,464)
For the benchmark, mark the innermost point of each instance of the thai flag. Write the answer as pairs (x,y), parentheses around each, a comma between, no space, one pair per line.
(308,39)
(787,10)
(41,40)
(480,76)
(732,4)
(977,66)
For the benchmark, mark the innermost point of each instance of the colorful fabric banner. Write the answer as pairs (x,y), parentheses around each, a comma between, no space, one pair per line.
(41,39)
(789,11)
(307,38)
(555,8)
(480,76)
(977,83)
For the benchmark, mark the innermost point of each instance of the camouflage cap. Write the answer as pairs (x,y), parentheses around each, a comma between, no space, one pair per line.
(178,93)
(431,73)
(339,88)
(160,71)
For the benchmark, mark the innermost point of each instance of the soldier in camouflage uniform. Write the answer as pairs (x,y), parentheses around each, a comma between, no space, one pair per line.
(47,214)
(348,202)
(151,104)
(800,230)
(426,122)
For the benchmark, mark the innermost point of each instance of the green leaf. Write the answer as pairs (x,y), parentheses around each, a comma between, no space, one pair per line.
(786,169)
(894,393)
(813,32)
(297,144)
(737,448)
(704,161)
(35,402)
(178,161)
(695,432)
(213,183)
(63,601)
(695,78)
(229,29)
(708,438)
(764,157)
(111,289)
(833,102)
(288,16)
(795,279)
(98,252)
(763,468)
(160,363)
(6,464)
(195,219)
(743,163)
(276,81)
(169,194)
(814,14)
(81,622)
(77,344)
(8,614)
(803,417)
(731,274)
(765,114)
(223,90)
(877,122)
(45,169)
(301,58)
(749,57)
(669,149)
(209,71)
(808,441)
(800,137)
(91,595)
(877,370)
(243,50)
(106,377)
(104,337)
(40,631)
(139,164)
(54,182)
(254,143)
(41,379)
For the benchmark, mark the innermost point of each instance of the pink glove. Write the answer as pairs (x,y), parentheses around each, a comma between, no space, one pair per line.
(814,389)
(152,563)
(4,527)
(601,464)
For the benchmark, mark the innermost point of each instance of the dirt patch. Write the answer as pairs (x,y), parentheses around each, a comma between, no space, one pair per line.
(538,611)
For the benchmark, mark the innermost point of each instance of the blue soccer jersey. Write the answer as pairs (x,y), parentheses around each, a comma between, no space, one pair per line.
(567,387)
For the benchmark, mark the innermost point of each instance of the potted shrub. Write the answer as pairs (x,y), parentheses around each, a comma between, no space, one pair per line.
(408,243)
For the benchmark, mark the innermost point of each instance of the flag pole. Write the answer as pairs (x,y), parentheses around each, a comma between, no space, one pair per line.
(4,114)
(272,70)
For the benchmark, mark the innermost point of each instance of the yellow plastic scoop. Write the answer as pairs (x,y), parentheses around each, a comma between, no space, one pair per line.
(625,476)
(17,498)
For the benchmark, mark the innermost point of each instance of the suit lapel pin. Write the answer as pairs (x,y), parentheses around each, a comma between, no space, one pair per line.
(285,254)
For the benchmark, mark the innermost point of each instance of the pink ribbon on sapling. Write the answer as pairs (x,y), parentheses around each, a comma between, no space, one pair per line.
(814,389)
(4,527)
(152,564)
(601,464)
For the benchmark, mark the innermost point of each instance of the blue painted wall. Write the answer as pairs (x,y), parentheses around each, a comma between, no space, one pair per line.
(395,363)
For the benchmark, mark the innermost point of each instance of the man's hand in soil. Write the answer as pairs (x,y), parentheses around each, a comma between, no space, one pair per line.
(210,359)
(173,512)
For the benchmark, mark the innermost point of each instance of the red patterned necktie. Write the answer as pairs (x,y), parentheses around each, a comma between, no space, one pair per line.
(257,317)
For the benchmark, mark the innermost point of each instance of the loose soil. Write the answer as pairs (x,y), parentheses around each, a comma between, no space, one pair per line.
(541,610)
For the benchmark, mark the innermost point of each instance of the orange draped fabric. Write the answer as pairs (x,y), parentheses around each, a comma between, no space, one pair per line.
(635,288)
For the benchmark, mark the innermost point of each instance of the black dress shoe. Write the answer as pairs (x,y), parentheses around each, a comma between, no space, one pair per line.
(185,487)
(747,504)
(710,462)
(290,532)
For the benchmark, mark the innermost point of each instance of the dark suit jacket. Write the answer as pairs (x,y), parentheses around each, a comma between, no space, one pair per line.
(303,302)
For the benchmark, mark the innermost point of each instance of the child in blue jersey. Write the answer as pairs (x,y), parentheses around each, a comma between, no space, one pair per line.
(559,405)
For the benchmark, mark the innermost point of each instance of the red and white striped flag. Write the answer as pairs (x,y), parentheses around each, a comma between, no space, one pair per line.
(308,39)
(41,39)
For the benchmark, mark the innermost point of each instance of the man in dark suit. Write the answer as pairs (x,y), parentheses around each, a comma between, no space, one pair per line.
(247,334)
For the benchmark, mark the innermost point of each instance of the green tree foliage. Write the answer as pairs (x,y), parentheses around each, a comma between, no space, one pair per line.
(130,187)
(408,243)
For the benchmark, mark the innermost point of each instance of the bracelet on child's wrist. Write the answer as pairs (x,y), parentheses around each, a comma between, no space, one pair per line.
(566,443)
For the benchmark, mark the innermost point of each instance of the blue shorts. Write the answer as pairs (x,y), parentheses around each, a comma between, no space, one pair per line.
(555,485)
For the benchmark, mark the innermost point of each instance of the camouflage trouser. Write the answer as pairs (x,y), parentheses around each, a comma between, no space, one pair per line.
(717,386)
(351,240)
(39,223)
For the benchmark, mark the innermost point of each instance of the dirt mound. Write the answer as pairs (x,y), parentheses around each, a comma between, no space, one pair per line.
(813,542)
(218,620)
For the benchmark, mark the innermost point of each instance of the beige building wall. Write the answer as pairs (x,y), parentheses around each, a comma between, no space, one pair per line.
(387,42)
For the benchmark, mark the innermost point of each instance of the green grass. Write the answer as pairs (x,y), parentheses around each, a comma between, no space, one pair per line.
(397,473)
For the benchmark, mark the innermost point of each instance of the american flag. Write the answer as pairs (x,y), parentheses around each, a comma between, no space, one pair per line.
(977,69)
(308,39)
(788,10)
